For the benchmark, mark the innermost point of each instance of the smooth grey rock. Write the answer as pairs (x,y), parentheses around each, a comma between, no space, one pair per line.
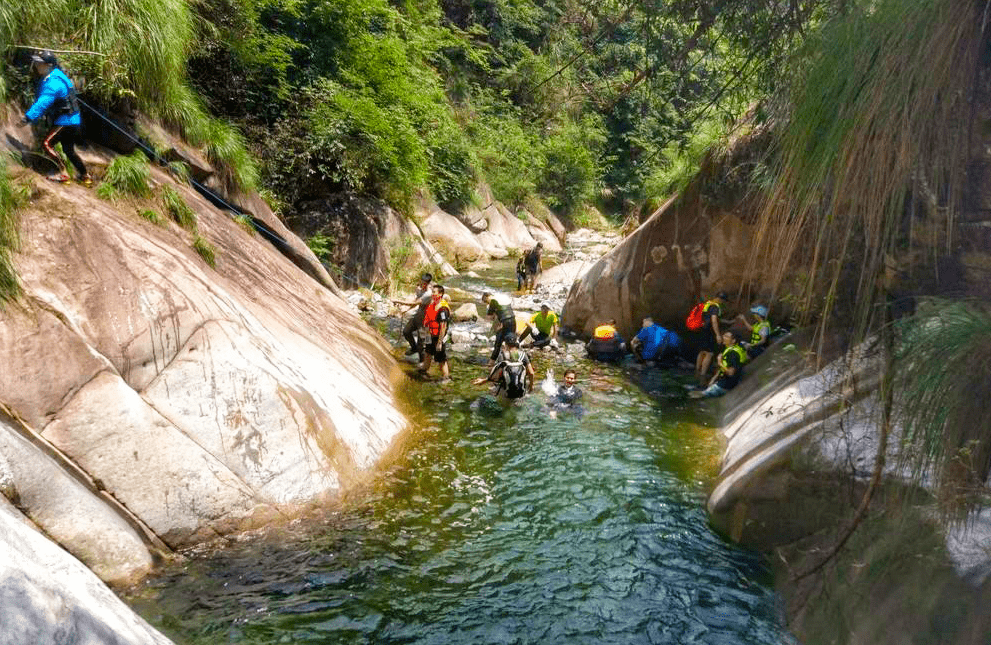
(47,597)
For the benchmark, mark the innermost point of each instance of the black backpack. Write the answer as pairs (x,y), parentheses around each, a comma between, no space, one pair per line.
(514,379)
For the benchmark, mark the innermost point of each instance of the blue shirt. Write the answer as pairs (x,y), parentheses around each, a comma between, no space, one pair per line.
(53,87)
(656,340)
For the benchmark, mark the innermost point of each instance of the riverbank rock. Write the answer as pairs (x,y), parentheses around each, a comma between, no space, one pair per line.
(452,238)
(801,447)
(152,400)
(465,313)
(49,597)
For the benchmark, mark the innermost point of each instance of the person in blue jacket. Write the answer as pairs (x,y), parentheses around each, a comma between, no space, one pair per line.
(654,343)
(57,94)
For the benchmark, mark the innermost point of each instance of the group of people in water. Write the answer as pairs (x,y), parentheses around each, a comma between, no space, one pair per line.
(718,342)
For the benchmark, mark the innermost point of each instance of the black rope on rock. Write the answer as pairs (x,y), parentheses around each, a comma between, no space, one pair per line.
(211,196)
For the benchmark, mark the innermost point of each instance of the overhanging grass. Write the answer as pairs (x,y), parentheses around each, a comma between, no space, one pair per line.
(942,376)
(879,112)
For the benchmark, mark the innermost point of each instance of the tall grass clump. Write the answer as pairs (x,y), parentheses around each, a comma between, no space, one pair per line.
(127,175)
(10,239)
(146,45)
(179,210)
(205,250)
(942,370)
(878,115)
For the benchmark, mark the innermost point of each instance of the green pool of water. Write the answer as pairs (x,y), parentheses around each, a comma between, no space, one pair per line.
(497,524)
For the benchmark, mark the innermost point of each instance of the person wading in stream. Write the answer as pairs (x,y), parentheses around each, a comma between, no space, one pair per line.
(513,373)
(413,325)
(532,267)
(711,335)
(502,311)
(435,320)
(57,94)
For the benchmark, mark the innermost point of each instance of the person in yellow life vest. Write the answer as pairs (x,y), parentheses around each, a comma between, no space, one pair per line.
(760,331)
(435,321)
(711,334)
(730,370)
(542,328)
(606,344)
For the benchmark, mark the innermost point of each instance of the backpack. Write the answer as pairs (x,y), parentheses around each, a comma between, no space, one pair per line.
(694,321)
(514,379)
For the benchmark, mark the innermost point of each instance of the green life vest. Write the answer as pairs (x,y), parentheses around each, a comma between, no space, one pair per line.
(739,351)
(755,336)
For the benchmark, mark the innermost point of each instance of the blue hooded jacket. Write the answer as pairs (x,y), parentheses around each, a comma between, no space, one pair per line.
(53,87)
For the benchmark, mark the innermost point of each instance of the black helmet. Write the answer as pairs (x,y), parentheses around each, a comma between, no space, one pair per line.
(45,57)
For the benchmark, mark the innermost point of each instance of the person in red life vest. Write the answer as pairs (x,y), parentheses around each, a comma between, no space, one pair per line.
(711,337)
(435,321)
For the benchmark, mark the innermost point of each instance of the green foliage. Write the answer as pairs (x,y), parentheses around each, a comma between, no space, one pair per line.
(178,209)
(322,247)
(570,175)
(126,175)
(400,269)
(10,200)
(152,216)
(680,160)
(205,250)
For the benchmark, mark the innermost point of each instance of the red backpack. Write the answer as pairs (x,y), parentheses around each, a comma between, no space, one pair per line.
(694,320)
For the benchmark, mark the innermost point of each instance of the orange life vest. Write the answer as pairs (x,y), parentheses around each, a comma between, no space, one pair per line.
(430,317)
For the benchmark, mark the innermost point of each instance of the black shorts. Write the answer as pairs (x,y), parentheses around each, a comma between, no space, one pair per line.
(437,349)
(708,342)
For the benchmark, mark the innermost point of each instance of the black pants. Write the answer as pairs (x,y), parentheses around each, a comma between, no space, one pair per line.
(409,332)
(508,327)
(68,136)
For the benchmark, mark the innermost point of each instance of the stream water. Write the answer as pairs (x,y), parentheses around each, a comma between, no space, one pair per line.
(498,524)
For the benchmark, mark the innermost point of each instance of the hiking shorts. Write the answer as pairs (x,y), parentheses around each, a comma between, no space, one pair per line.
(437,349)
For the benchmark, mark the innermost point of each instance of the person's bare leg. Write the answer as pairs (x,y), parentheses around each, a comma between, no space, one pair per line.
(706,358)
(425,365)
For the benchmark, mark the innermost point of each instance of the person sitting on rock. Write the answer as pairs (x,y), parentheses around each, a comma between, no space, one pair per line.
(730,370)
(542,328)
(513,373)
(57,94)
(606,344)
(531,262)
(424,297)
(501,310)
(654,343)
(436,320)
(760,331)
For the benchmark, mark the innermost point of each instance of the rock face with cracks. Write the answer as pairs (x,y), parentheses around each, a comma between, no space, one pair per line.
(149,401)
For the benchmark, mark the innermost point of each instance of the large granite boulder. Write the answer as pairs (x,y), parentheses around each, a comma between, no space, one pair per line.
(452,238)
(152,401)
(368,240)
